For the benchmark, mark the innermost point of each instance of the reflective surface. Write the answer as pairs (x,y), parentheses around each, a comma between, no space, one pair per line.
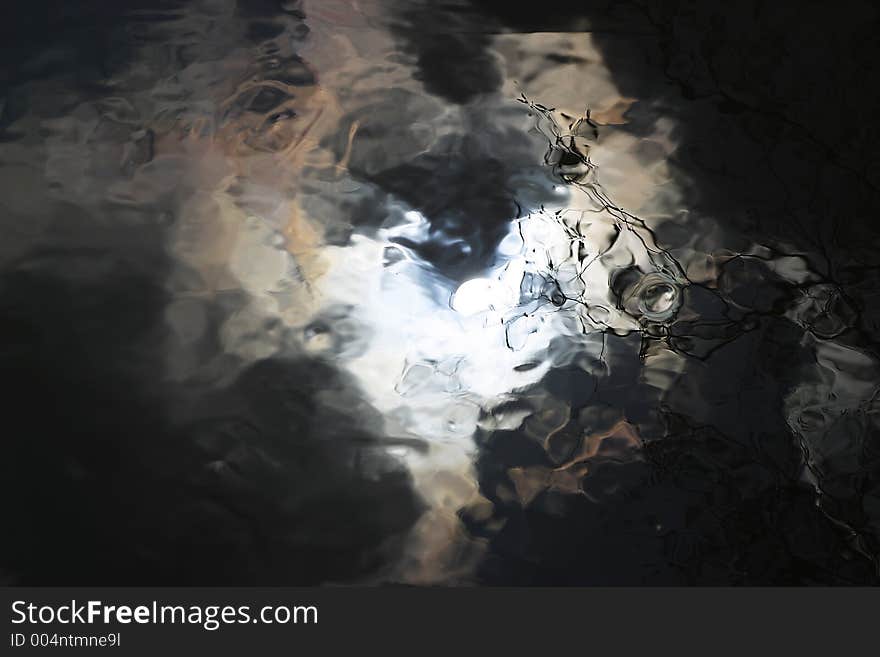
(437,293)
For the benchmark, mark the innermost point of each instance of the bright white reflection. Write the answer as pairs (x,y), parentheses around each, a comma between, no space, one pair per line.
(436,354)
(481,295)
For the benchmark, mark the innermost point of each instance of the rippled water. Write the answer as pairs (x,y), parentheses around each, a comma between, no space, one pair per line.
(377,291)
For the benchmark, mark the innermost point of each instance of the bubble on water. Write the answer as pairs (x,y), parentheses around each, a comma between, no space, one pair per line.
(660,297)
(655,297)
(572,166)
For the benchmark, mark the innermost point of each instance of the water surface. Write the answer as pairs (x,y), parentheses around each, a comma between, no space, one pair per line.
(437,293)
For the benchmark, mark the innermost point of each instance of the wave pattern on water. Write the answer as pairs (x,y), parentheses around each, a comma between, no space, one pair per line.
(304,292)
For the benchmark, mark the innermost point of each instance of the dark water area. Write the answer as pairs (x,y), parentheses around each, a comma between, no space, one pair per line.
(457,293)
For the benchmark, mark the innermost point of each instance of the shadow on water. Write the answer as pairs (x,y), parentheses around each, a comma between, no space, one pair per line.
(113,475)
